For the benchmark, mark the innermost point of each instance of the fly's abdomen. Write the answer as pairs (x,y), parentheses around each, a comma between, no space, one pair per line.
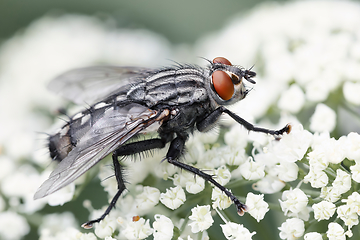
(61,143)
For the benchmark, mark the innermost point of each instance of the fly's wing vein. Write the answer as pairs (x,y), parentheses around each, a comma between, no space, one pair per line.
(106,135)
(91,84)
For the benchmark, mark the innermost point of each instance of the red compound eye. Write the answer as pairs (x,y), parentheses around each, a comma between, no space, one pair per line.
(223,85)
(222,60)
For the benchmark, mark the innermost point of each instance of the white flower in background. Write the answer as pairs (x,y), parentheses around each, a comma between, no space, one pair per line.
(139,229)
(323,210)
(201,218)
(84,236)
(292,228)
(65,233)
(294,201)
(351,92)
(323,119)
(313,236)
(292,100)
(256,206)
(148,198)
(252,170)
(13,225)
(173,198)
(335,232)
(163,227)
(220,200)
(55,223)
(234,231)
(2,204)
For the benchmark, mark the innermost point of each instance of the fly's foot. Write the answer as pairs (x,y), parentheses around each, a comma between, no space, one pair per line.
(90,224)
(241,208)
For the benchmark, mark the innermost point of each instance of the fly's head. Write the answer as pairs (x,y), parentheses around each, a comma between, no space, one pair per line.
(227,86)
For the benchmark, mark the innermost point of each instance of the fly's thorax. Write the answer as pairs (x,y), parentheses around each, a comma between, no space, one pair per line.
(225,83)
(171,86)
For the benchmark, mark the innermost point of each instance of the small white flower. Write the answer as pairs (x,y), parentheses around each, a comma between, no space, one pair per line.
(287,171)
(335,232)
(256,206)
(323,210)
(294,201)
(293,146)
(139,229)
(317,159)
(13,225)
(163,228)
(148,198)
(346,213)
(313,236)
(268,185)
(354,202)
(195,184)
(342,182)
(222,175)
(106,227)
(330,194)
(351,92)
(220,200)
(292,100)
(323,119)
(330,150)
(252,170)
(355,172)
(192,183)
(201,217)
(317,179)
(236,137)
(173,198)
(234,231)
(352,146)
(292,229)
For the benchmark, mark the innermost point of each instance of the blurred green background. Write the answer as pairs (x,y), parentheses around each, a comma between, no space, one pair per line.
(179,21)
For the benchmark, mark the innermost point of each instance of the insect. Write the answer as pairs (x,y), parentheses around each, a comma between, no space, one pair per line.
(172,101)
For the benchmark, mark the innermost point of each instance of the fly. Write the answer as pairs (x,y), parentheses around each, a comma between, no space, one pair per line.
(172,101)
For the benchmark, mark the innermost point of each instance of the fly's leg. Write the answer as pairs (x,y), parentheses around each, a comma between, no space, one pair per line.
(175,150)
(121,188)
(206,123)
(129,149)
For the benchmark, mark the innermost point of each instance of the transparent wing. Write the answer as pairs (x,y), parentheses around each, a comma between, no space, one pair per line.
(91,84)
(106,135)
